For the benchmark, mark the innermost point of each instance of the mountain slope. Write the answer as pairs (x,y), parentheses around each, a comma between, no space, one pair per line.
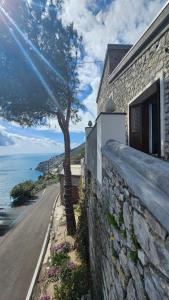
(76,155)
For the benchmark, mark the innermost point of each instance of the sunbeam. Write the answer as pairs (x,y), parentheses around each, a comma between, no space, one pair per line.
(40,55)
(35,69)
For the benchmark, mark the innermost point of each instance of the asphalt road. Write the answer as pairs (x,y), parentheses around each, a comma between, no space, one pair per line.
(20,247)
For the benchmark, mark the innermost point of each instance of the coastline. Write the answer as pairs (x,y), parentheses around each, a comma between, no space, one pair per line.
(54,162)
(16,169)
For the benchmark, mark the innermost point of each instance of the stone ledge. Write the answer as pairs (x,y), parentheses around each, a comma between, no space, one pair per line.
(148,177)
(151,168)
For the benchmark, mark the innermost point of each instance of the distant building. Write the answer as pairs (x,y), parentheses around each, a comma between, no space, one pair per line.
(135,80)
(76,175)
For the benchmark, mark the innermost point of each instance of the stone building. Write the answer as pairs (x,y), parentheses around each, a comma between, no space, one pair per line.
(127,190)
(76,175)
(135,80)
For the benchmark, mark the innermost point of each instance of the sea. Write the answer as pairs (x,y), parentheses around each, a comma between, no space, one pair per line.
(15,169)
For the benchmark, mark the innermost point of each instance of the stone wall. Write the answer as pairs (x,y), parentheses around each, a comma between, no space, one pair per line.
(150,64)
(128,226)
(114,55)
(104,93)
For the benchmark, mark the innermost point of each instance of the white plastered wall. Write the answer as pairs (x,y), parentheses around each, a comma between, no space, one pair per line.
(109,127)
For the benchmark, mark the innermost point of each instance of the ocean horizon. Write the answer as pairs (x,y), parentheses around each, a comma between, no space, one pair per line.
(16,168)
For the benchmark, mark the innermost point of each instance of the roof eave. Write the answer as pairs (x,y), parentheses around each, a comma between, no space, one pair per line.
(110,47)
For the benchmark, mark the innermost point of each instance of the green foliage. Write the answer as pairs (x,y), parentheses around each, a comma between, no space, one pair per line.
(22,191)
(134,239)
(44,181)
(133,256)
(114,253)
(25,190)
(121,220)
(123,233)
(77,154)
(74,286)
(82,234)
(112,221)
(57,43)
(59,259)
(71,280)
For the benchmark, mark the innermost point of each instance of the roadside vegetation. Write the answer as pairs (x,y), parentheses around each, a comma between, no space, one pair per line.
(66,274)
(26,191)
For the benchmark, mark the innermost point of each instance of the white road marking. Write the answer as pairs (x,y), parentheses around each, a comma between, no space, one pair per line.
(42,254)
(43,192)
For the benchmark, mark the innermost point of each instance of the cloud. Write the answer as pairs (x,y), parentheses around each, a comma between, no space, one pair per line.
(5,139)
(11,143)
(118,21)
(100,23)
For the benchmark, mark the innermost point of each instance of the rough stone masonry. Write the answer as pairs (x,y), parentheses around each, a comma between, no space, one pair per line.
(128,226)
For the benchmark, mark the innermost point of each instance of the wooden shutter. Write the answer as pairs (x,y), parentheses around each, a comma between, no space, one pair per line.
(135,117)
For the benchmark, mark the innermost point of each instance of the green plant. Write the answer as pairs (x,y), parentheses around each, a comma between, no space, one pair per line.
(44,181)
(121,220)
(112,221)
(74,286)
(66,271)
(134,239)
(59,258)
(114,253)
(82,234)
(133,256)
(123,234)
(22,191)
(63,247)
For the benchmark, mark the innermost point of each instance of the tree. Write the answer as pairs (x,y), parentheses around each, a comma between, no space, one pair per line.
(48,59)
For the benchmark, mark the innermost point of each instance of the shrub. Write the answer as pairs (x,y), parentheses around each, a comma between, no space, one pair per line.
(60,248)
(58,259)
(54,271)
(45,180)
(22,191)
(74,286)
(82,233)
(66,271)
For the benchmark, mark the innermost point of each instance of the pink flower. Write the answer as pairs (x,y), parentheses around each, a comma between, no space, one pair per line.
(71,265)
(60,248)
(53,271)
(45,298)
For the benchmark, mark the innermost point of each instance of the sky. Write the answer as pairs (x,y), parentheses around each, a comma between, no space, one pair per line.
(100,22)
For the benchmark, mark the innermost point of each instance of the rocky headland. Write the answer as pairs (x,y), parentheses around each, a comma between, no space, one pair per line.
(51,165)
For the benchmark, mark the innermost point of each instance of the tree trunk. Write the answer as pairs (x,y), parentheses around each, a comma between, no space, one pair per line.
(68,199)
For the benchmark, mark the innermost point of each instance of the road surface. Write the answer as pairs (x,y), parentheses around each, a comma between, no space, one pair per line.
(20,247)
